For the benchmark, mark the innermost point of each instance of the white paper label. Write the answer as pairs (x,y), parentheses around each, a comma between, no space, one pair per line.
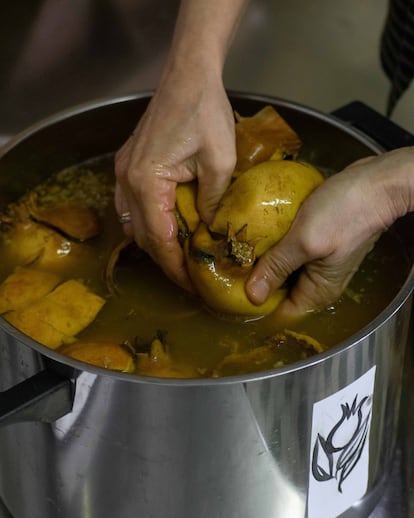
(339,456)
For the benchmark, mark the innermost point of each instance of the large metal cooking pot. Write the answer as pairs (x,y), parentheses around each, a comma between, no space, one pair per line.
(314,439)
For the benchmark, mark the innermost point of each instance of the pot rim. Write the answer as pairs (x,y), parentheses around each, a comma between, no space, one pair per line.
(397,302)
(78,109)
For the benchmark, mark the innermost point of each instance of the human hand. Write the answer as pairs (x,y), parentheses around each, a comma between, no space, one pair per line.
(187,132)
(334,230)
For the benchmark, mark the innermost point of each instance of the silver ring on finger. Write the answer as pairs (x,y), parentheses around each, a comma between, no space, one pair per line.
(124,218)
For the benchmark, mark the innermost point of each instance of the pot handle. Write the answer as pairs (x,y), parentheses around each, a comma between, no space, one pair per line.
(388,134)
(44,397)
(4,139)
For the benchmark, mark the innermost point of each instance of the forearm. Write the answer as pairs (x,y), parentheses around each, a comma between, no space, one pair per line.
(203,33)
(386,186)
(400,182)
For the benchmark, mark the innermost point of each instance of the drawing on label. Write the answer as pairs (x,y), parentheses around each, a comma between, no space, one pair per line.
(339,448)
(343,446)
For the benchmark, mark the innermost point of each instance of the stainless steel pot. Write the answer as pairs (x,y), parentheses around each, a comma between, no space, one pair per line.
(313,440)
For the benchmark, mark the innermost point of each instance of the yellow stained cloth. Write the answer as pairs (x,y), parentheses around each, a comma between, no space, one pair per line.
(24,286)
(59,316)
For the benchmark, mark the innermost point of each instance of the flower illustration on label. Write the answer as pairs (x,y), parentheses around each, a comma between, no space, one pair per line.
(337,454)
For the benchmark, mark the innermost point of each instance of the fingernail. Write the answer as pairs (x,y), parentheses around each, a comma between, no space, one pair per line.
(259,290)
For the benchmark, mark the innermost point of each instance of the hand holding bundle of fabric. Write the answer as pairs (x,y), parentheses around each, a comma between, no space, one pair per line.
(255,212)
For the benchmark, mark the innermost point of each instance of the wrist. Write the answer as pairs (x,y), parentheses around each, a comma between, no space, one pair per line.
(193,64)
(398,181)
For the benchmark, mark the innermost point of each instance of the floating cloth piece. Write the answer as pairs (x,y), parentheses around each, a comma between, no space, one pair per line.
(24,286)
(59,316)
